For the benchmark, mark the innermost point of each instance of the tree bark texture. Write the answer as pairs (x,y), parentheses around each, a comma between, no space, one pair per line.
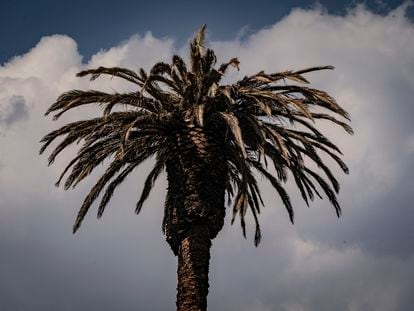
(194,211)
(193,266)
(196,185)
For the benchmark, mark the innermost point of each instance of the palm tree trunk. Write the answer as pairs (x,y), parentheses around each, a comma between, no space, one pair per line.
(193,264)
(194,213)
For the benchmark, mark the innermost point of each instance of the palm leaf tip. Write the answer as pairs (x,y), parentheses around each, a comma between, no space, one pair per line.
(257,236)
(235,63)
(310,69)
(201,34)
(149,184)
(197,44)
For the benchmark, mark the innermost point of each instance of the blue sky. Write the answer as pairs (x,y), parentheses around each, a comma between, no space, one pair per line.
(99,24)
(362,261)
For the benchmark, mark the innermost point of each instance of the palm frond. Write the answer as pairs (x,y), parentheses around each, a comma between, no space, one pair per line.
(149,183)
(279,188)
(123,73)
(94,193)
(233,124)
(189,121)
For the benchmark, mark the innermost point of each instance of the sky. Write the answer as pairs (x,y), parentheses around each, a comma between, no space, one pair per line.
(362,261)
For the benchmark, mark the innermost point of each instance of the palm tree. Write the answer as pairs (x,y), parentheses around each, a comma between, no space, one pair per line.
(209,138)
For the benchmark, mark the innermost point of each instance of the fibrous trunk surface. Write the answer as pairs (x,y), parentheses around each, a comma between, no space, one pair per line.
(193,266)
(194,211)
(196,185)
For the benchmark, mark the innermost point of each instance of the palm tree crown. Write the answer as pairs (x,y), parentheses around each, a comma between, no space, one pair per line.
(183,114)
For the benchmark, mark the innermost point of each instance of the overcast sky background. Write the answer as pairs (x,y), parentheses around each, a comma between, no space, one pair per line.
(362,261)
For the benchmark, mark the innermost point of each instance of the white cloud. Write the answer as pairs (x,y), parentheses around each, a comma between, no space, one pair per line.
(52,57)
(308,266)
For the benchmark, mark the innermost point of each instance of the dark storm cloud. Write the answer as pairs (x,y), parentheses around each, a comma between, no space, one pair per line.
(44,267)
(383,226)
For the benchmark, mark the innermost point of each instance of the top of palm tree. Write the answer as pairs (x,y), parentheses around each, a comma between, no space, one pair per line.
(263,117)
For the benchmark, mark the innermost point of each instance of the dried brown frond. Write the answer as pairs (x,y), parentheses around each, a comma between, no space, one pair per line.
(265,123)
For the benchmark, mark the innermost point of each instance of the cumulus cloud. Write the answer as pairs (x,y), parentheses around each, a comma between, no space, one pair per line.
(360,262)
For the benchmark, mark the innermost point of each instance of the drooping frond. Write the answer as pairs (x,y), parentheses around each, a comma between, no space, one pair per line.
(76,98)
(266,124)
(95,191)
(149,183)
